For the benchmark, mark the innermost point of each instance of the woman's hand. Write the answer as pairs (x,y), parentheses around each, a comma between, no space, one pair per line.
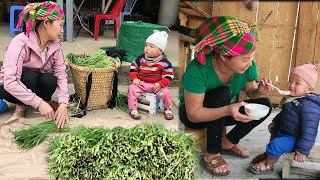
(254,91)
(263,88)
(137,81)
(46,110)
(233,110)
(61,115)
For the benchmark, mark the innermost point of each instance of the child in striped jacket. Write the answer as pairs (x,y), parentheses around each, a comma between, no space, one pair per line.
(151,72)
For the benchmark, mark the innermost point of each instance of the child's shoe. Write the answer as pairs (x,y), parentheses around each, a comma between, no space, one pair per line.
(257,169)
(135,114)
(168,115)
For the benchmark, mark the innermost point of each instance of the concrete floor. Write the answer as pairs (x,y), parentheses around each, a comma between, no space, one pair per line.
(255,141)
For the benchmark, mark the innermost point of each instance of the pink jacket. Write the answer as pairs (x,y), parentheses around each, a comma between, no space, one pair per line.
(23,53)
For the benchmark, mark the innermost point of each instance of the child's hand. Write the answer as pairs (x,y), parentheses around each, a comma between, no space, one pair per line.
(299,157)
(156,87)
(137,81)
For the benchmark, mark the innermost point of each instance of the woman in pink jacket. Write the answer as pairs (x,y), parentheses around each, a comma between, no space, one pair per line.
(33,67)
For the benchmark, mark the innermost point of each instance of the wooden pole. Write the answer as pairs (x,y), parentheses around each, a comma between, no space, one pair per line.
(106,7)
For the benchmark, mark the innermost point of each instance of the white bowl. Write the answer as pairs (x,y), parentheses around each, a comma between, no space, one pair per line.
(256,111)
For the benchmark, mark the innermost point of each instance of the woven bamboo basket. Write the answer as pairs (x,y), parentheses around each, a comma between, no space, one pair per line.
(101,88)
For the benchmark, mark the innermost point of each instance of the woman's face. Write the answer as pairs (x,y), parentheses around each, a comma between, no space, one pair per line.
(297,86)
(54,29)
(239,64)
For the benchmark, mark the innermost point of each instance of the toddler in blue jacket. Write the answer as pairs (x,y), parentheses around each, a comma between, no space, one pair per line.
(295,128)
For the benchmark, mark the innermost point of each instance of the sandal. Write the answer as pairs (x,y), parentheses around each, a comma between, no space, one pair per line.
(168,115)
(213,164)
(135,114)
(257,169)
(237,151)
(259,158)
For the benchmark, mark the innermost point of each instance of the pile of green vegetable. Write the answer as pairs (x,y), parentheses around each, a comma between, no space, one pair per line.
(36,134)
(122,102)
(98,59)
(142,152)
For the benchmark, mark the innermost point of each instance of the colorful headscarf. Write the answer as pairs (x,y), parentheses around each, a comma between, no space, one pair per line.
(225,35)
(39,11)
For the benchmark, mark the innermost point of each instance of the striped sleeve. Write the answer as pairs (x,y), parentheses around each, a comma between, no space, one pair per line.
(134,68)
(167,74)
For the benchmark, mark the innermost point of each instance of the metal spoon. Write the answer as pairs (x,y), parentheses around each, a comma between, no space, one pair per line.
(285,93)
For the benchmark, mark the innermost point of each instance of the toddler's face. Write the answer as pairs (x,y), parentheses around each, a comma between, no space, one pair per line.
(151,50)
(297,86)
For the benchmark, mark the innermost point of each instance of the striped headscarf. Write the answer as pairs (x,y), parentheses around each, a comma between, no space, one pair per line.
(39,11)
(225,35)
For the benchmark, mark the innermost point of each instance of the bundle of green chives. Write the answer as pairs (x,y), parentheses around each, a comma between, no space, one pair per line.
(36,134)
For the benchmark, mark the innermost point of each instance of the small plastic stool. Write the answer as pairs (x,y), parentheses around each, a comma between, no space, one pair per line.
(151,99)
(13,21)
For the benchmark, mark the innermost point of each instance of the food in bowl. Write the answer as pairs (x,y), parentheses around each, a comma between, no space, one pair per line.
(256,111)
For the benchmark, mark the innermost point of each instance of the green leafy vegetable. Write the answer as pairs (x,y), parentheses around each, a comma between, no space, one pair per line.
(143,152)
(36,134)
(98,59)
(122,102)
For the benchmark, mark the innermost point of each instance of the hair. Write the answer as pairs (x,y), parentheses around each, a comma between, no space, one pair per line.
(216,55)
(38,22)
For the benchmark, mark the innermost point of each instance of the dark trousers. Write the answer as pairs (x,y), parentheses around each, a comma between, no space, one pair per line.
(220,97)
(43,85)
